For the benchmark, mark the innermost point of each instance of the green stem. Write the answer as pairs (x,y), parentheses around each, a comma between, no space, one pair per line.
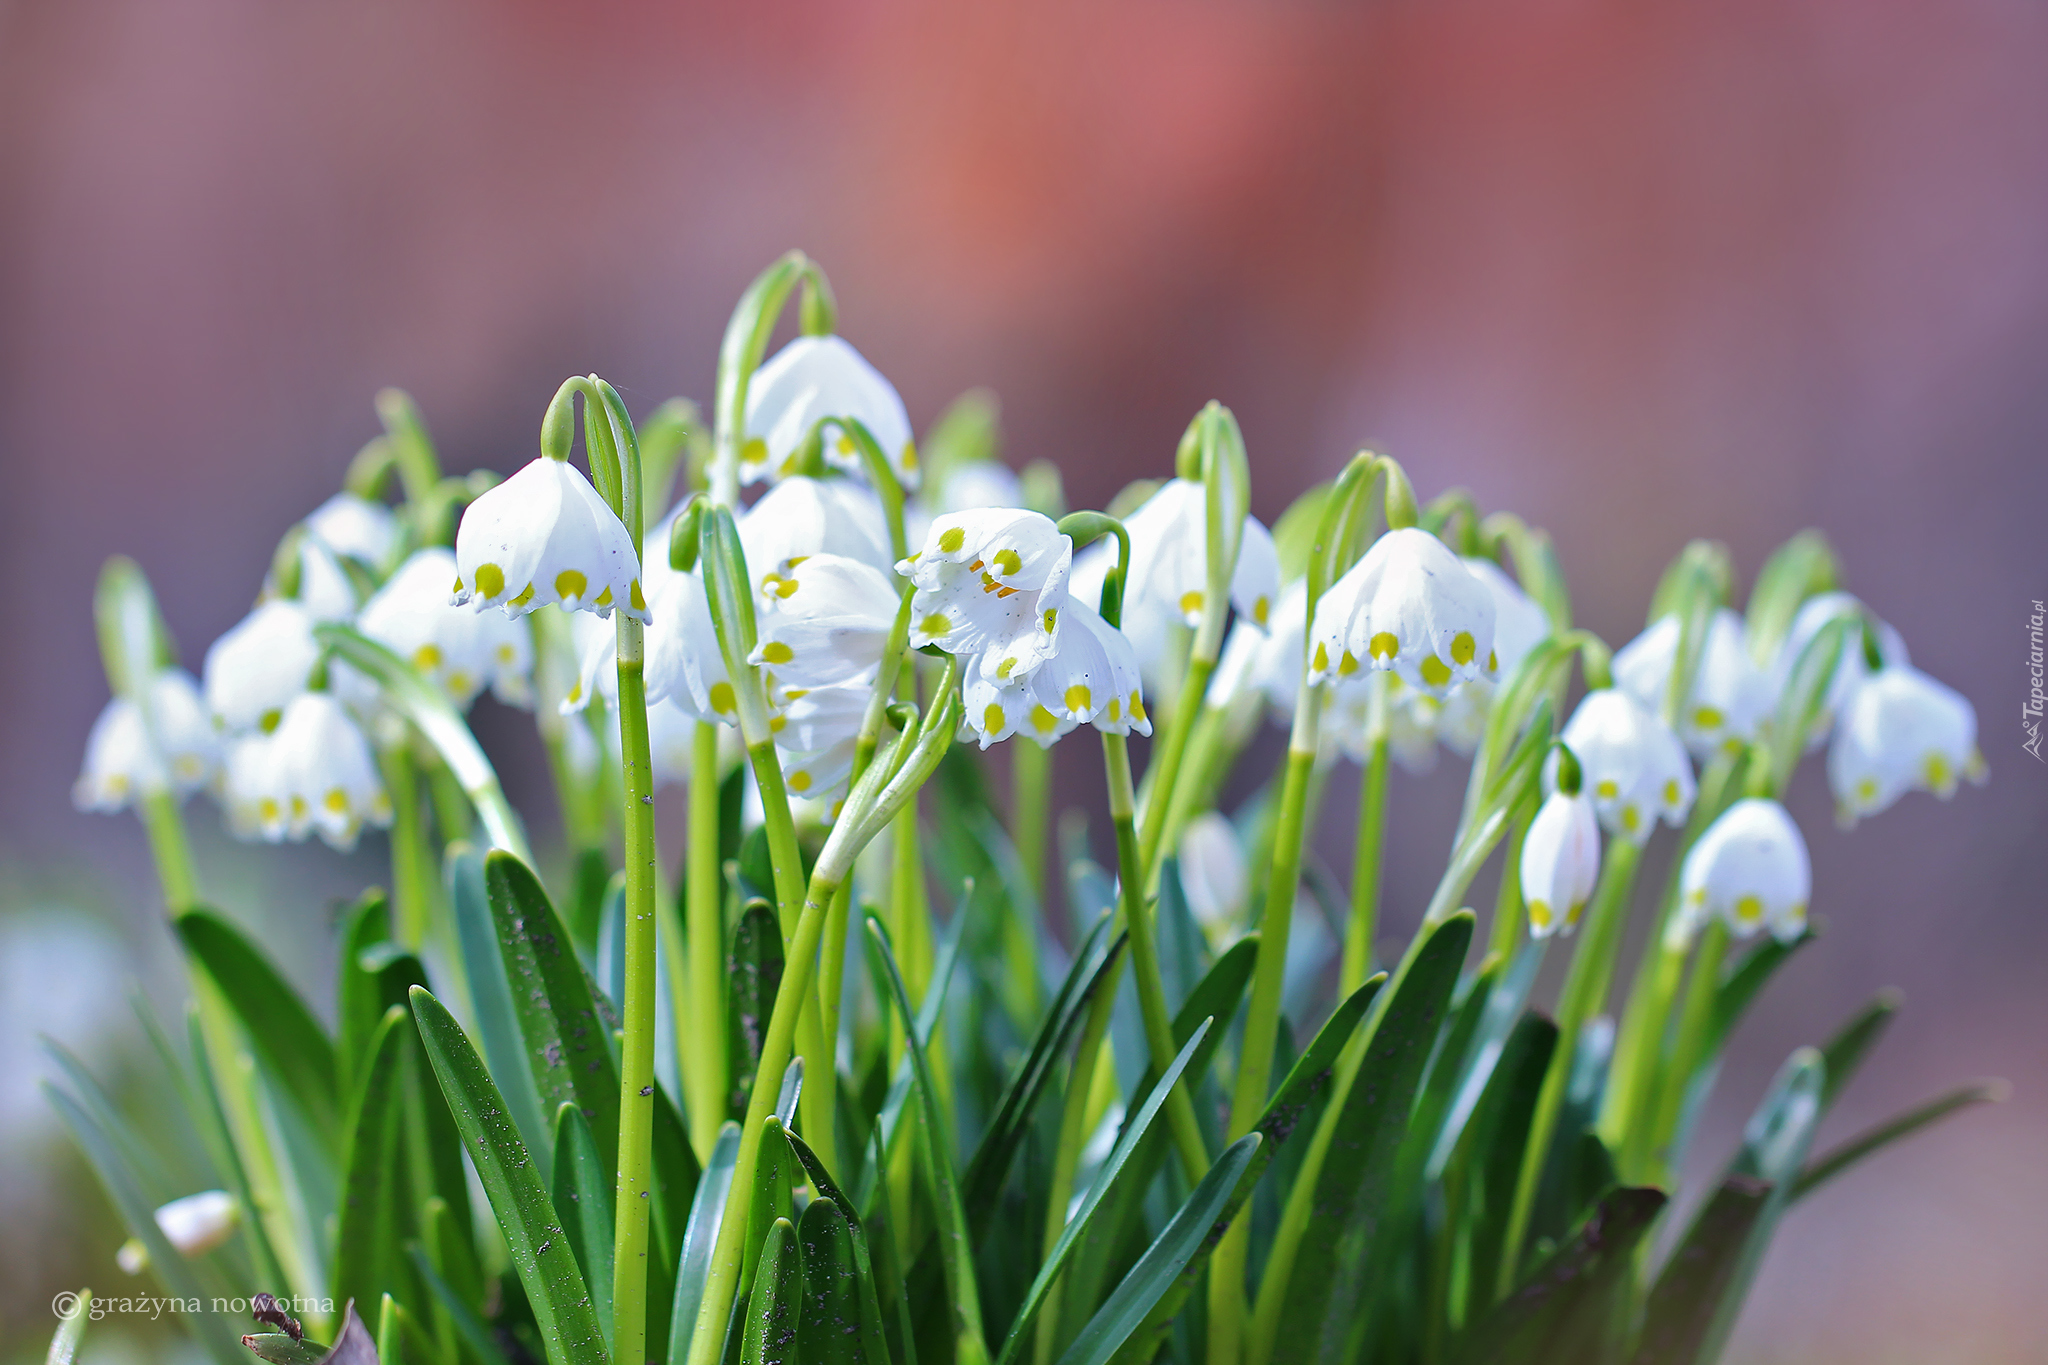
(1696,1017)
(1167,758)
(1365,869)
(412,877)
(1585,990)
(636,1066)
(706,1042)
(707,1344)
(1508,907)
(1067,1156)
(1262,1021)
(1180,1109)
(1031,811)
(171,849)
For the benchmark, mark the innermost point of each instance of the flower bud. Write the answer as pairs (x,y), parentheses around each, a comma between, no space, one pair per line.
(1560,863)
(1751,869)
(1901,731)
(199,1222)
(544,535)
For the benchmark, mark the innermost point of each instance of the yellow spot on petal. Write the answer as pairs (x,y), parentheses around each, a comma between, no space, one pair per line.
(799,781)
(1539,914)
(1707,718)
(722,700)
(1463,647)
(336,801)
(1572,916)
(570,583)
(1631,818)
(776,652)
(507,655)
(299,808)
(1052,618)
(1347,665)
(909,456)
(1260,610)
(1006,668)
(1008,562)
(1384,645)
(1435,672)
(992,718)
(575,692)
(524,597)
(951,539)
(1322,659)
(639,602)
(1607,790)
(847,447)
(1492,661)
(1044,721)
(1079,699)
(791,694)
(1116,708)
(267,809)
(1866,790)
(754,451)
(458,585)
(427,657)
(777,724)
(604,599)
(935,626)
(1137,707)
(1748,910)
(267,722)
(1941,778)
(1671,791)
(459,682)
(490,580)
(1190,603)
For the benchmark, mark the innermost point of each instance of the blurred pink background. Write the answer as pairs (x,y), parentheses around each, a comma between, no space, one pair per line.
(1638,272)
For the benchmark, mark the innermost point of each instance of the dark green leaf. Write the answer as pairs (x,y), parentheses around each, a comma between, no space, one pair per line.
(534,1236)
(359,1002)
(1326,1308)
(469,1328)
(1497,1135)
(1504,1002)
(753,974)
(770,1336)
(700,1234)
(870,1315)
(374,1219)
(1565,1309)
(279,1349)
(1845,1051)
(567,1042)
(1197,1225)
(773,1195)
(1835,1160)
(583,1201)
(829,1324)
(282,1030)
(483,968)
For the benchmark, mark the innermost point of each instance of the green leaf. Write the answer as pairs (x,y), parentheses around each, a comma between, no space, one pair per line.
(982,1182)
(1491,1155)
(1325,1311)
(770,1335)
(773,1196)
(374,1219)
(534,1236)
(1196,1225)
(282,1030)
(870,1312)
(1106,1179)
(1742,984)
(359,1005)
(1565,1309)
(1504,1002)
(215,1119)
(64,1345)
(1840,1158)
(279,1349)
(753,975)
(829,1326)
(567,1042)
(707,1210)
(955,1248)
(583,1201)
(483,968)
(1844,1053)
(178,1276)
(1695,1300)
(476,1338)
(676,1174)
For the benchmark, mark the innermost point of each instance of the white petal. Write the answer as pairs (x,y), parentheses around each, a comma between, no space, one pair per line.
(816,377)
(259,665)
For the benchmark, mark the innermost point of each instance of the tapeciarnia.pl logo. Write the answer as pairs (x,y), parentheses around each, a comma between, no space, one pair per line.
(2030,714)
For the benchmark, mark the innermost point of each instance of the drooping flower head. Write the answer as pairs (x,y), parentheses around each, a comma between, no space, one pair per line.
(812,379)
(826,621)
(463,651)
(1731,696)
(1091,679)
(1409,605)
(315,774)
(1560,863)
(363,530)
(1635,769)
(1169,569)
(1751,869)
(544,535)
(1850,668)
(992,585)
(167,743)
(800,517)
(1901,731)
(261,663)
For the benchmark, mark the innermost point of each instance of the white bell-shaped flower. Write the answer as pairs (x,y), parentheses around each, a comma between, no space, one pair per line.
(683,663)
(1731,696)
(166,744)
(800,517)
(829,621)
(1560,863)
(1519,625)
(1409,605)
(544,535)
(1635,770)
(671,742)
(816,729)
(1213,874)
(318,775)
(1751,869)
(463,651)
(357,527)
(991,584)
(199,1222)
(1901,731)
(815,378)
(245,784)
(1091,679)
(1169,570)
(262,662)
(325,589)
(1850,671)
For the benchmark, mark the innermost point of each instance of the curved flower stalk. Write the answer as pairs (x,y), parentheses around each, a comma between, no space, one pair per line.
(1730,696)
(991,585)
(545,536)
(822,379)
(1901,731)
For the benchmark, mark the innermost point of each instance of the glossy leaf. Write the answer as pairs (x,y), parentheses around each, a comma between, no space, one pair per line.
(770,1327)
(870,1317)
(583,1201)
(534,1236)
(282,1031)
(753,974)
(700,1234)
(1844,1053)
(71,1331)
(373,1221)
(829,1325)
(1564,1310)
(483,968)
